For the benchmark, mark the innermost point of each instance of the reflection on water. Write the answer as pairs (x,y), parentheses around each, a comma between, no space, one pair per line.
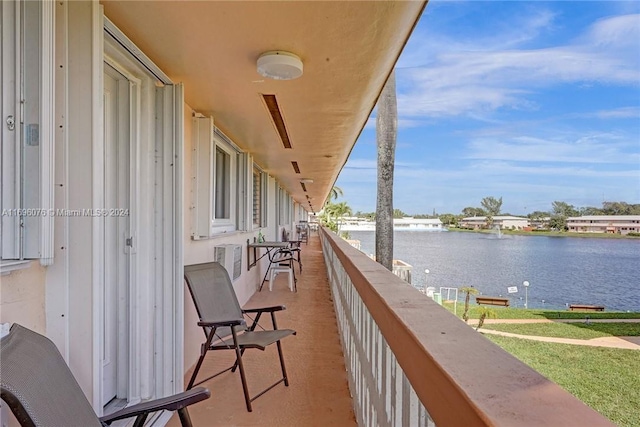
(561,270)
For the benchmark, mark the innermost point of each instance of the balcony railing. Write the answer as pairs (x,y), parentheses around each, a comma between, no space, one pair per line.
(412,363)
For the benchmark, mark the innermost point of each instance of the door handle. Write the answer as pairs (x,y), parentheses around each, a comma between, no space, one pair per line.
(11,122)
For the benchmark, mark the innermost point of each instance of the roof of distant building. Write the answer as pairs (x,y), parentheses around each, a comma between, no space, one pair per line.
(497,217)
(604,217)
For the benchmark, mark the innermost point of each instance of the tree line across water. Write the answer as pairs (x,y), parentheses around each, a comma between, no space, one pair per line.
(490,207)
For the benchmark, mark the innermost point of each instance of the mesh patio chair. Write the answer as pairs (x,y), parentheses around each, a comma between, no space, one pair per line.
(302,229)
(224,324)
(294,249)
(40,389)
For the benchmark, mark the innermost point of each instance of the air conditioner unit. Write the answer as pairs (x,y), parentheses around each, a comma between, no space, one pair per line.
(230,257)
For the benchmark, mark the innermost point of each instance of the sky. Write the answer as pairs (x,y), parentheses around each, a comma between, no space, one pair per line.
(531,101)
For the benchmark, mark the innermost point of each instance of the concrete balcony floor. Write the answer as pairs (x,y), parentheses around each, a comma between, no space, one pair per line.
(318,394)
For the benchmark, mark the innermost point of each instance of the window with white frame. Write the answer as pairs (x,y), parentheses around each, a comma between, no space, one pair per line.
(26,170)
(219,183)
(225,198)
(259,197)
(243,191)
(279,207)
(284,207)
(222,185)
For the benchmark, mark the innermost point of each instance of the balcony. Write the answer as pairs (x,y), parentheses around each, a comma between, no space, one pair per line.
(408,361)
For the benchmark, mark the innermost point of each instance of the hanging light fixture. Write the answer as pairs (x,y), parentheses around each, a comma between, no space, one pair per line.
(280,65)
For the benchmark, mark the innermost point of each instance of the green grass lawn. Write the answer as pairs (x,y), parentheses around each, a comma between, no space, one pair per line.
(522,313)
(579,331)
(606,379)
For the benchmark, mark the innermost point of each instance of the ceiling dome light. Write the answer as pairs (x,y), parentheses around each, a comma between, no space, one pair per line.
(280,65)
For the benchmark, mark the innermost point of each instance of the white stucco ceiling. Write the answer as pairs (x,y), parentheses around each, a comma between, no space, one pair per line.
(348,49)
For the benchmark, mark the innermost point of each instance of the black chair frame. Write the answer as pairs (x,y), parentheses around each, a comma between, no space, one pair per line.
(239,342)
(294,248)
(239,350)
(27,357)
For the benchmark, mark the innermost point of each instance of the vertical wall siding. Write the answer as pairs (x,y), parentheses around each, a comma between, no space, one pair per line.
(381,392)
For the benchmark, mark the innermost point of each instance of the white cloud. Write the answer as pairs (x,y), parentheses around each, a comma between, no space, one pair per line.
(512,170)
(504,172)
(402,123)
(361,164)
(531,160)
(503,35)
(591,149)
(619,113)
(487,76)
(420,189)
(372,164)
(615,31)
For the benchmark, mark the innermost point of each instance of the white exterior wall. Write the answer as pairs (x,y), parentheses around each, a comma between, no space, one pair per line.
(61,300)
(69,288)
(272,214)
(517,223)
(57,300)
(503,222)
(622,224)
(22,297)
(199,251)
(473,223)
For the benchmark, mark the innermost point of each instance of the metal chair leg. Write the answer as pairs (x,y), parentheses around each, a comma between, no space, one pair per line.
(140,419)
(245,389)
(185,419)
(203,352)
(284,370)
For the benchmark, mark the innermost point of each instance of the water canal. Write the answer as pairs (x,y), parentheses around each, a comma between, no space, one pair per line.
(560,270)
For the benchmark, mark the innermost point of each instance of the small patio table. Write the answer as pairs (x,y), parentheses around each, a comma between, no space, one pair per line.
(269,246)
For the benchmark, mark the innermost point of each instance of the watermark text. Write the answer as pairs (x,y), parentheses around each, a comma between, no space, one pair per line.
(38,212)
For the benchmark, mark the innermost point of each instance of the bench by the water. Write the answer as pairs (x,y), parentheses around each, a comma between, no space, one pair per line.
(583,307)
(492,301)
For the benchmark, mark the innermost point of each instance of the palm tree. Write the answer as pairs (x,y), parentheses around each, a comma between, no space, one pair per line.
(335,193)
(468,290)
(386,130)
(325,220)
(338,210)
(341,209)
(334,211)
(486,312)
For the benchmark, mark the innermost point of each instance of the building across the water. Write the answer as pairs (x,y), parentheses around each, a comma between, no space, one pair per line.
(408,223)
(540,223)
(399,224)
(614,224)
(502,221)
